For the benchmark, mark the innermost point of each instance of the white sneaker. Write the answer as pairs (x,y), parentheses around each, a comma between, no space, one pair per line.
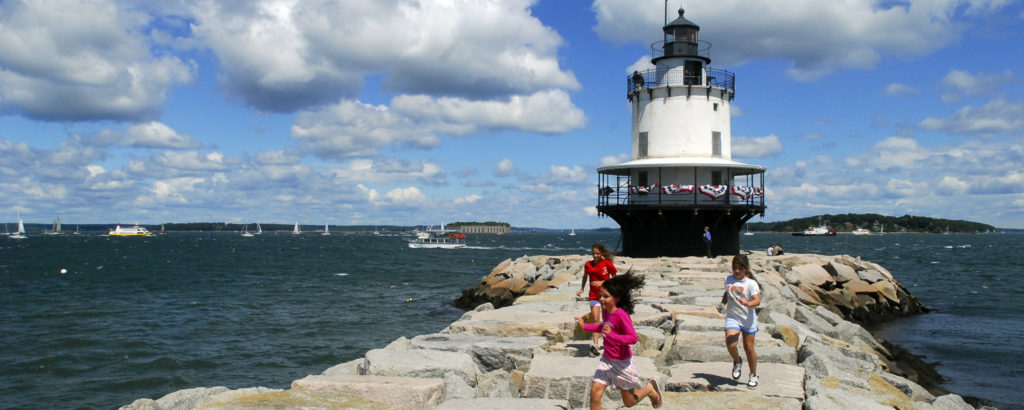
(752,382)
(737,369)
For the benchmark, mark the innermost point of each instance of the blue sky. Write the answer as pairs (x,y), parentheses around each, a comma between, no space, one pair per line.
(415,112)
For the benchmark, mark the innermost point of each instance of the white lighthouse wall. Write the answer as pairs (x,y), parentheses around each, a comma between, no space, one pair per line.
(681,125)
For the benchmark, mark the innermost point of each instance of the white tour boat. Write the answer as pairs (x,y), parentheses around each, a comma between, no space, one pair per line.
(438,238)
(816,231)
(861,231)
(135,230)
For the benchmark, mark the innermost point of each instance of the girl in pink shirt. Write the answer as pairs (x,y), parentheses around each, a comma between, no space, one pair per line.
(616,367)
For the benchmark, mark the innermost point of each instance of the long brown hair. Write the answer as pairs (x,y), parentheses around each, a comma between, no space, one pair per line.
(741,260)
(605,253)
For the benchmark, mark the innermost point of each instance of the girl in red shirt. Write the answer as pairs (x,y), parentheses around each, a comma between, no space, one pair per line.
(595,272)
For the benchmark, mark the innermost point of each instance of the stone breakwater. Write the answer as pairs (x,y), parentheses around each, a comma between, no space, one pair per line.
(527,354)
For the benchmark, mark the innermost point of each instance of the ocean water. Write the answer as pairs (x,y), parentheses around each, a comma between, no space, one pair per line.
(143,317)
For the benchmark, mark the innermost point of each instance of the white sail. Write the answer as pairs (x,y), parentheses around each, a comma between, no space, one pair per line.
(296,230)
(21,226)
(259,230)
(327,230)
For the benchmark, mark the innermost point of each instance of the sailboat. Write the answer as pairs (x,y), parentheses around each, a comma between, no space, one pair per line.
(572,232)
(327,230)
(246,233)
(748,233)
(76,230)
(259,231)
(20,234)
(55,230)
(296,230)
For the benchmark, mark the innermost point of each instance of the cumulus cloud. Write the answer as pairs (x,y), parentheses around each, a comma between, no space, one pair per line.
(614,159)
(549,111)
(324,49)
(998,116)
(959,84)
(82,60)
(816,38)
(391,171)
(505,168)
(350,129)
(900,90)
(562,174)
(153,134)
(756,147)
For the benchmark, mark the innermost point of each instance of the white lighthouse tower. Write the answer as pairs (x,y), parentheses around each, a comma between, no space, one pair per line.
(681,177)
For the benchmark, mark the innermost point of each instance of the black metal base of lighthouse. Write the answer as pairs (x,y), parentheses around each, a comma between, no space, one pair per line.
(654,232)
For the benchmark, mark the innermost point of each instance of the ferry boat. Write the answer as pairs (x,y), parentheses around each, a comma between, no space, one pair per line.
(816,231)
(438,239)
(861,231)
(135,230)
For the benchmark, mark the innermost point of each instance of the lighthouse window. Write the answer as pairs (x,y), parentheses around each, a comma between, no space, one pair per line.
(716,177)
(716,144)
(715,106)
(642,177)
(641,146)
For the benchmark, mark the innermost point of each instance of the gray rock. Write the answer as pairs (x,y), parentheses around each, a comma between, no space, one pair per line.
(704,353)
(870,275)
(421,363)
(495,384)
(854,333)
(489,352)
(397,392)
(698,323)
(950,402)
(814,321)
(457,388)
(829,316)
(648,338)
(181,399)
(569,378)
(778,380)
(849,371)
(801,329)
(836,399)
(841,272)
(351,368)
(503,404)
(911,389)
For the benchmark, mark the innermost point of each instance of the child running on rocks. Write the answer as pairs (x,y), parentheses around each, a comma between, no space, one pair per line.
(742,294)
(616,367)
(595,272)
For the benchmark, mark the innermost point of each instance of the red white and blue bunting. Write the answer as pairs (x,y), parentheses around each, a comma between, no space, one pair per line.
(743,192)
(677,189)
(714,191)
(643,190)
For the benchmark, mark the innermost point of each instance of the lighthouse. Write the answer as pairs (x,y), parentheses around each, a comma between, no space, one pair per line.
(680,178)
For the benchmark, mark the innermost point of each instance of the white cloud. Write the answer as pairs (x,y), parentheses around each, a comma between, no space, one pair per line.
(548,111)
(350,129)
(323,49)
(468,199)
(816,38)
(614,159)
(390,171)
(562,174)
(756,147)
(152,134)
(900,90)
(505,168)
(995,117)
(82,60)
(959,84)
(405,196)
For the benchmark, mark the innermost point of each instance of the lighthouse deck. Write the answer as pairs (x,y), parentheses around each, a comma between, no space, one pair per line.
(661,77)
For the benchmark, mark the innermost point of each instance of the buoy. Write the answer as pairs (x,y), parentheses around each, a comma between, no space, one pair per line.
(392,286)
(63,271)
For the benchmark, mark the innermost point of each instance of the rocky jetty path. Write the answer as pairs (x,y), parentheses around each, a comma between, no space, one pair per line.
(527,354)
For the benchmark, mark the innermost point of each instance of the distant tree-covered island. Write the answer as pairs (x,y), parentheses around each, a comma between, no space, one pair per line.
(874,223)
